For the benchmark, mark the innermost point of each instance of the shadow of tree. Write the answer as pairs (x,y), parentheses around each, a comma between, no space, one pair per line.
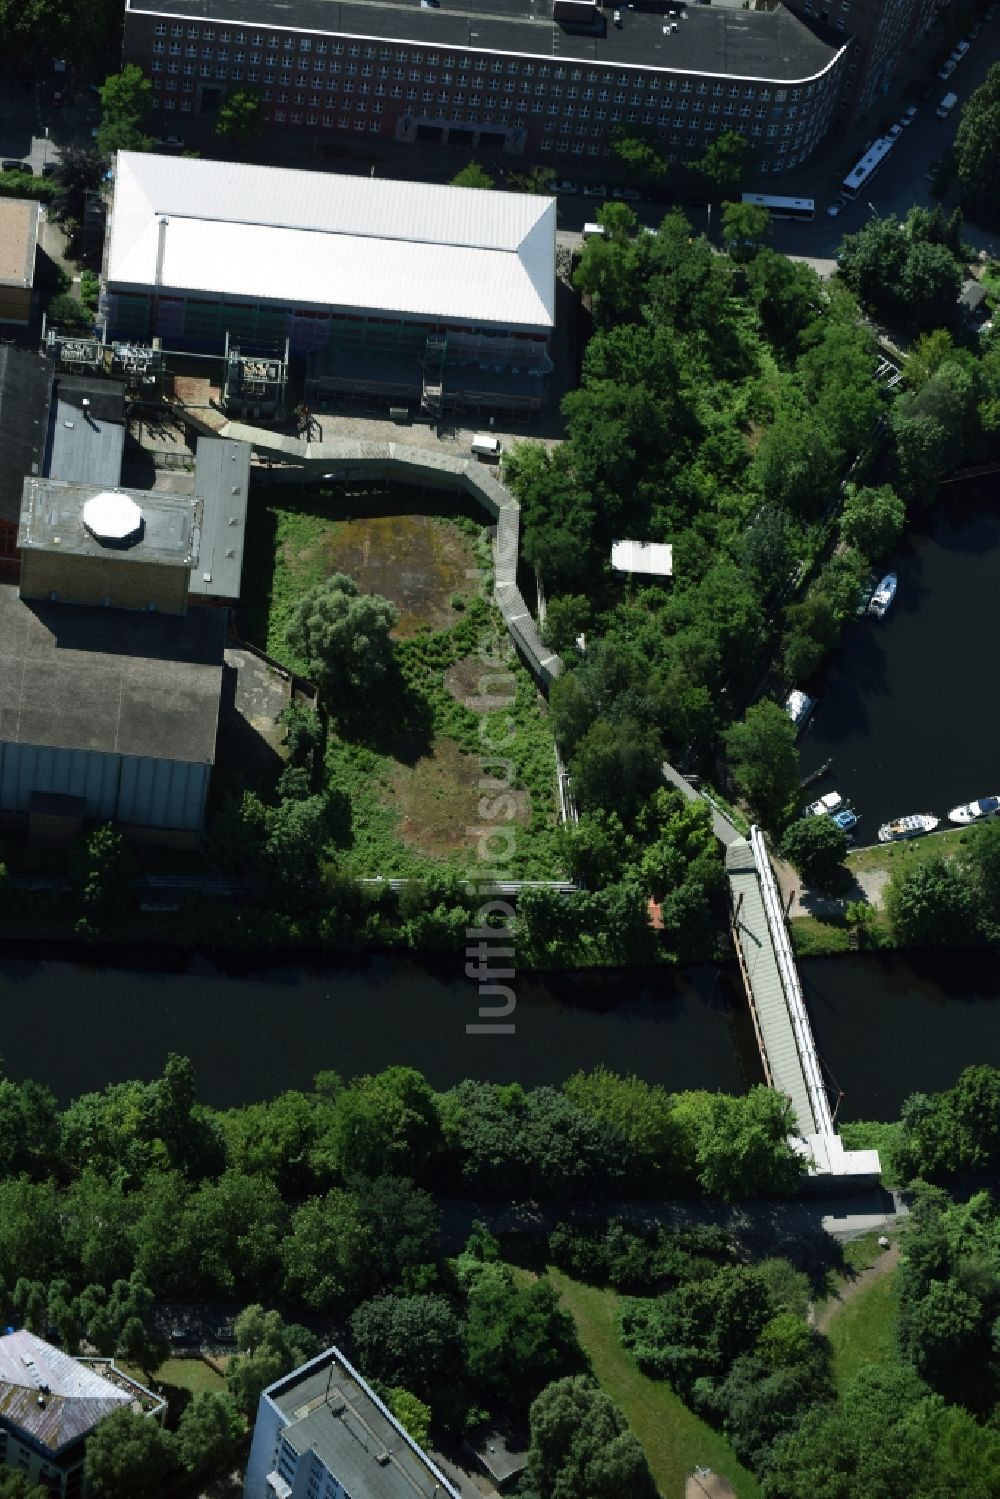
(397,720)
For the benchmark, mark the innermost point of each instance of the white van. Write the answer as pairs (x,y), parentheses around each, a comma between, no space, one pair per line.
(946,106)
(485,445)
(594,231)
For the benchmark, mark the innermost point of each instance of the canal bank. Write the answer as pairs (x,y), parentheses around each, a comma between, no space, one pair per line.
(886,1024)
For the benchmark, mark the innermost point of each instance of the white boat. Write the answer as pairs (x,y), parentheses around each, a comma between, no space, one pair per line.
(907,827)
(798,706)
(824,805)
(883,596)
(986,806)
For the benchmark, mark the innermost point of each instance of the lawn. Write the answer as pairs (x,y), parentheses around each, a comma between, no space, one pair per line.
(862,1331)
(676,1441)
(407,758)
(182,1374)
(890,856)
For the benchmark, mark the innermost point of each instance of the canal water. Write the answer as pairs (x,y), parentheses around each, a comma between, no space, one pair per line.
(886,1025)
(907,711)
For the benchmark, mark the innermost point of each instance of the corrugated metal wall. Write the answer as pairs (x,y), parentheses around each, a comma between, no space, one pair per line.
(149,793)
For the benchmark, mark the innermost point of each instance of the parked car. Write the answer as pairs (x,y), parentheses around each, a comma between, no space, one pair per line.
(837,206)
(961,49)
(49,168)
(946,70)
(894,131)
(626,194)
(10,164)
(565,187)
(171,142)
(989,14)
(595,190)
(909,115)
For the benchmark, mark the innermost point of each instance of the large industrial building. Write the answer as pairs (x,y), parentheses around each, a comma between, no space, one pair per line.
(322,1433)
(536,77)
(442,296)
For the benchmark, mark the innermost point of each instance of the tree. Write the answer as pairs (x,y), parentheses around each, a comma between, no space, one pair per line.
(645,163)
(743,1151)
(745,227)
(977,148)
(387,1122)
(725,165)
(78,171)
(268,1347)
(641,1113)
(617,766)
(142,1347)
(326,1255)
(128,1456)
(517,1340)
(105,878)
(928,904)
(126,98)
(817,847)
(581,1447)
(472,175)
(240,116)
(872,520)
(412,1414)
(763,760)
(68,314)
(414,1341)
(872,263)
(932,280)
(343,637)
(981,865)
(208,1433)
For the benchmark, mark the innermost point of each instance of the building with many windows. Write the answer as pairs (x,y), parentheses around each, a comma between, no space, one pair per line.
(559,77)
(880,32)
(322,1433)
(440,297)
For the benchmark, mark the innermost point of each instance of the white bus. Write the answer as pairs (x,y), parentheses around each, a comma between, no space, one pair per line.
(866,168)
(783,208)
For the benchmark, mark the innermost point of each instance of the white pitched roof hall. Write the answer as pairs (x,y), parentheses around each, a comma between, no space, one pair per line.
(326,240)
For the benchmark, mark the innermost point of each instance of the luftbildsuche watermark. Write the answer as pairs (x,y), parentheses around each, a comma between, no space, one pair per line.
(489,945)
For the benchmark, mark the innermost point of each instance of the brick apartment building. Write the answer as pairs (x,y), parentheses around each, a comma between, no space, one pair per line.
(537,78)
(880,32)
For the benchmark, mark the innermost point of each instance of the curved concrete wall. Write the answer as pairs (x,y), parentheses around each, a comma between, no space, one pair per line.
(408,464)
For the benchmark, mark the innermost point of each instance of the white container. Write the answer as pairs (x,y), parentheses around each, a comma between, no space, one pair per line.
(486,446)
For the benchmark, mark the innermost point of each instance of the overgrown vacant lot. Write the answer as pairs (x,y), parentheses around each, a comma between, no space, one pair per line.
(408,761)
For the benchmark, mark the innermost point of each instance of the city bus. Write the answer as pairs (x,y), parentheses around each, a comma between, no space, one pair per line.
(783,208)
(859,176)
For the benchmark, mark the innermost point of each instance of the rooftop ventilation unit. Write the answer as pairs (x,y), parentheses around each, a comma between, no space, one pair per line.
(112,518)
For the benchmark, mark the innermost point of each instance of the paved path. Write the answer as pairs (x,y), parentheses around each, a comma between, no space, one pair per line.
(888,1260)
(869,885)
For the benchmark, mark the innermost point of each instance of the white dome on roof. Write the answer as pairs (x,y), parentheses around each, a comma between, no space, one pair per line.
(111,516)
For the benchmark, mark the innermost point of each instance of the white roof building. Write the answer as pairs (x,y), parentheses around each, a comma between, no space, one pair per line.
(321,239)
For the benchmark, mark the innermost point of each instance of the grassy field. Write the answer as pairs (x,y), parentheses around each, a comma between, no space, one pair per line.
(182,1374)
(676,1441)
(408,761)
(863,1330)
(889,856)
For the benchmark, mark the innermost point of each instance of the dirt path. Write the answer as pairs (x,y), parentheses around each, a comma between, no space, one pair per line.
(869,885)
(887,1261)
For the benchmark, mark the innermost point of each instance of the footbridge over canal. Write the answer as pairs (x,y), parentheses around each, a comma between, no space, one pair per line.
(774,993)
(777,1005)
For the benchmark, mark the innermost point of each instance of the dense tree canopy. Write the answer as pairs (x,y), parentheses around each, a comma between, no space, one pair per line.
(977,149)
(343,636)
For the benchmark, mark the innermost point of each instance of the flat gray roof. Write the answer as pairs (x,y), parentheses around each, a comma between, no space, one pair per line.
(52,520)
(773,45)
(75,677)
(332,1412)
(83,448)
(221,482)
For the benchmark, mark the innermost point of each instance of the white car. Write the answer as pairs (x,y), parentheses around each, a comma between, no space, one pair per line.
(895,131)
(908,116)
(836,207)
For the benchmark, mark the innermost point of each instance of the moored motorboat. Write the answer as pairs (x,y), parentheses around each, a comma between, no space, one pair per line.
(798,706)
(883,596)
(986,806)
(846,819)
(907,827)
(824,805)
